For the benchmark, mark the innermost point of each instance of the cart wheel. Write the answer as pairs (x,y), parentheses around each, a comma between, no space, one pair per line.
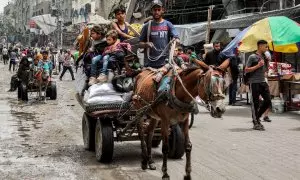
(155,143)
(191,120)
(53,91)
(23,92)
(88,132)
(104,141)
(176,143)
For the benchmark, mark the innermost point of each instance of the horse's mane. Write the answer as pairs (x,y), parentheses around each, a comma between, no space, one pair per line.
(189,70)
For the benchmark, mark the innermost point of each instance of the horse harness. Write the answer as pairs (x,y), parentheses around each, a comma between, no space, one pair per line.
(174,103)
(216,80)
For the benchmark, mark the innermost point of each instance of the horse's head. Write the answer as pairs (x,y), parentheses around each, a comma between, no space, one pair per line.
(214,88)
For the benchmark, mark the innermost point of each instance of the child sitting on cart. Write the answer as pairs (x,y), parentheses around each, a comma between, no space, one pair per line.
(114,52)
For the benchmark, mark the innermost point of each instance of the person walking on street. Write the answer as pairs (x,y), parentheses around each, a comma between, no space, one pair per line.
(5,55)
(67,65)
(234,71)
(13,59)
(76,56)
(266,114)
(60,58)
(257,66)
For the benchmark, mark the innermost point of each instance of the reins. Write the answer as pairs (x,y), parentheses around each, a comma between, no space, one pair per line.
(172,62)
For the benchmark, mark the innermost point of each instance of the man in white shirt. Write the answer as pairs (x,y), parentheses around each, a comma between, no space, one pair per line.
(60,59)
(67,65)
(5,55)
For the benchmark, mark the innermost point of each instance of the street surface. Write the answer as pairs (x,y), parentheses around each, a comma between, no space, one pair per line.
(44,141)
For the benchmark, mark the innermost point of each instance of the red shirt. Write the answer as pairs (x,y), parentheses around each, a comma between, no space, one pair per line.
(184,57)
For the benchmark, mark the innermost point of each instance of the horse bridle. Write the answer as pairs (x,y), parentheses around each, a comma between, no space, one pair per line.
(208,89)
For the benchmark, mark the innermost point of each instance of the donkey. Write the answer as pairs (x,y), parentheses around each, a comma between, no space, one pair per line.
(207,86)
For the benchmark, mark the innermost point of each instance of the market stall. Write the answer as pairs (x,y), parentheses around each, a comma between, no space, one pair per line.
(283,37)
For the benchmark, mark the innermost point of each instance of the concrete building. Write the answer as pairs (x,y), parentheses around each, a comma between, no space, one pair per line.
(9,13)
(41,7)
(65,8)
(105,8)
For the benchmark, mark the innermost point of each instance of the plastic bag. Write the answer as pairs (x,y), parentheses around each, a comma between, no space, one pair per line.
(80,81)
(107,99)
(102,89)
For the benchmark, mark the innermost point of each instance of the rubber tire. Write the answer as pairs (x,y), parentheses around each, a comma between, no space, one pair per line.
(23,92)
(88,132)
(156,143)
(53,91)
(191,120)
(104,141)
(176,143)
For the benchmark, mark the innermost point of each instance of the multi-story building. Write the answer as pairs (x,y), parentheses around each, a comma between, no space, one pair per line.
(41,7)
(63,9)
(10,13)
(105,8)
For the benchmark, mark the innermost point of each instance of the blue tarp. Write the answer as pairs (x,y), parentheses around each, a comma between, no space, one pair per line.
(229,50)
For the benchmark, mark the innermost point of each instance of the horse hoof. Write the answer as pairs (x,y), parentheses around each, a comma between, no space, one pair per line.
(166,177)
(187,177)
(152,166)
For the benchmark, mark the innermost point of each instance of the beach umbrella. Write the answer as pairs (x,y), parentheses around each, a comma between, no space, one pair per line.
(281,33)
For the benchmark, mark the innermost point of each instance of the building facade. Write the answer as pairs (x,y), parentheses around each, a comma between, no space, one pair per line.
(9,13)
(62,9)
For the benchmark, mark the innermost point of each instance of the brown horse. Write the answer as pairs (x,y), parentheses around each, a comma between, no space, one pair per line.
(206,85)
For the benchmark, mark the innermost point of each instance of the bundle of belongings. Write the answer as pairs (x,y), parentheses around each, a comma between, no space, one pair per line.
(105,97)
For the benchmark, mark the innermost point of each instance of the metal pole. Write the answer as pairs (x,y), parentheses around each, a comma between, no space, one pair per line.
(208,24)
(280,4)
(59,24)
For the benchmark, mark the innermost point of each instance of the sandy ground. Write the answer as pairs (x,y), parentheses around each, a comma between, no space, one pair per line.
(44,141)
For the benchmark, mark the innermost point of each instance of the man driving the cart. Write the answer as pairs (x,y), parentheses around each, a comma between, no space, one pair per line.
(155,38)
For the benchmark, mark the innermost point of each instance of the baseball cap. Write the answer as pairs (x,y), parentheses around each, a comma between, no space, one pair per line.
(156,3)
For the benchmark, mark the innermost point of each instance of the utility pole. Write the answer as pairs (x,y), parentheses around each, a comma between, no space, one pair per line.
(59,21)
(280,4)
(208,24)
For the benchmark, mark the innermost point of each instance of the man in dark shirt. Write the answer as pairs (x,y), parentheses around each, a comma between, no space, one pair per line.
(257,66)
(155,41)
(211,58)
(234,70)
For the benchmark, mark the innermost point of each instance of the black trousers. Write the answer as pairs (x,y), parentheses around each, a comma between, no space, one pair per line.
(232,91)
(259,89)
(12,63)
(59,65)
(5,59)
(65,68)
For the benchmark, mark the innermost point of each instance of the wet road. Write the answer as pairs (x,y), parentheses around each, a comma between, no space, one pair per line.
(44,141)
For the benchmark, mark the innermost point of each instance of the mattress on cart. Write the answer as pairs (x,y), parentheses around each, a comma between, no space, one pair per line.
(103,97)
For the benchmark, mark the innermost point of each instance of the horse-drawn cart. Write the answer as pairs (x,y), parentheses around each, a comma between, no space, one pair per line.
(36,84)
(102,125)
